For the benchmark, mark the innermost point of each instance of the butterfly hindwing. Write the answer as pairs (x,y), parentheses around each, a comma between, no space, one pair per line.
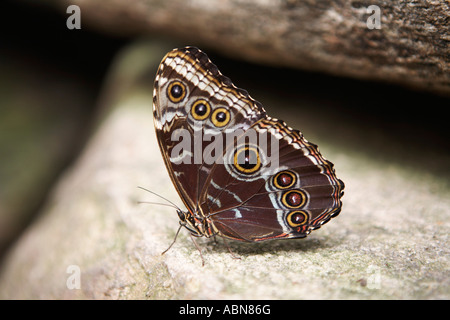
(285,199)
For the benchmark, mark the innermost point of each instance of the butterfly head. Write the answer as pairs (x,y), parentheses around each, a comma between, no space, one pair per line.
(188,221)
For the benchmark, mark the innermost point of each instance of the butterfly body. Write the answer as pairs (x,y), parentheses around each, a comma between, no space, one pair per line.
(241,174)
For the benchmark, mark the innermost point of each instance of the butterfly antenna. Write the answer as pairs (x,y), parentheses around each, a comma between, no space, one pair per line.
(172,204)
(159,203)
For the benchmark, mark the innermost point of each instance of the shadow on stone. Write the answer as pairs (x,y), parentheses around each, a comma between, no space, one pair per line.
(309,244)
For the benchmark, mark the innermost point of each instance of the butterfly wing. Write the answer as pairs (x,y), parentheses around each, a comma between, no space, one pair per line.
(295,190)
(251,177)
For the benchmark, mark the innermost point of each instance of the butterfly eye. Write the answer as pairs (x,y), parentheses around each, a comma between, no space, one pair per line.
(294,199)
(220,117)
(176,91)
(181,215)
(297,218)
(284,179)
(200,109)
(247,160)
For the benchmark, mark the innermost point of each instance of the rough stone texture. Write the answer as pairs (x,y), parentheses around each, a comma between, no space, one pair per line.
(390,241)
(411,47)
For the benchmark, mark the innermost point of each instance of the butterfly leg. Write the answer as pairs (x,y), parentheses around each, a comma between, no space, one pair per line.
(174,240)
(199,250)
(229,249)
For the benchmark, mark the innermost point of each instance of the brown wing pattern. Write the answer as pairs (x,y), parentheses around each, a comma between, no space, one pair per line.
(276,185)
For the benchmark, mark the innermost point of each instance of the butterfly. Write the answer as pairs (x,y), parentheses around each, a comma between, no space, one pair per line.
(241,174)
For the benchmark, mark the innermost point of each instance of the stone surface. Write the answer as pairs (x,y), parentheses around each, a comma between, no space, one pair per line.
(411,46)
(389,242)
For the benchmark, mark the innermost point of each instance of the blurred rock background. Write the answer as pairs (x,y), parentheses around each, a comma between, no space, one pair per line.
(76,105)
(50,79)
